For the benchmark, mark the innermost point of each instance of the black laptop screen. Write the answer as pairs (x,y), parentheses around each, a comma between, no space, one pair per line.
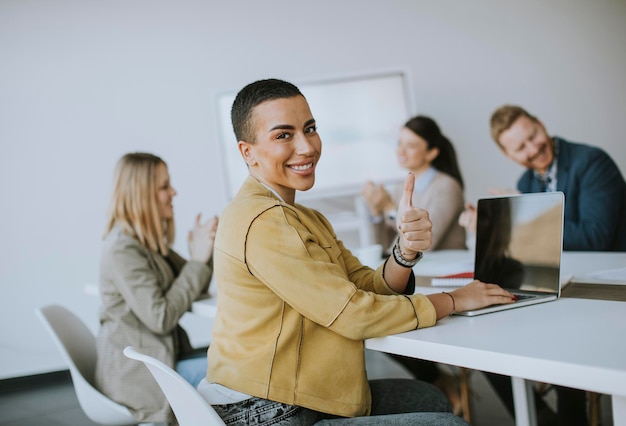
(519,239)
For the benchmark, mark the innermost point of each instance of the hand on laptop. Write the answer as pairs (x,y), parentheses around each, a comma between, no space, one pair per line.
(478,295)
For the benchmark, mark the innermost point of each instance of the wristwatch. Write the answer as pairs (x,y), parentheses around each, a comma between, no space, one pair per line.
(400,260)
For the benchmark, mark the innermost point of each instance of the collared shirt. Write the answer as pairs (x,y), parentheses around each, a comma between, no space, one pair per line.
(216,394)
(547,180)
(422,181)
(272,191)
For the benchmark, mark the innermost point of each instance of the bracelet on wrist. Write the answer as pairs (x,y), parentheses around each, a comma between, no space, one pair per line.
(453,303)
(401,260)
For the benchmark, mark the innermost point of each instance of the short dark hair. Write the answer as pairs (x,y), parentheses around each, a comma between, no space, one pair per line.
(504,117)
(252,95)
(427,129)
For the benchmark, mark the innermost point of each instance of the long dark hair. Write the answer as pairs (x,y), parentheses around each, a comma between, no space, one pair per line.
(427,129)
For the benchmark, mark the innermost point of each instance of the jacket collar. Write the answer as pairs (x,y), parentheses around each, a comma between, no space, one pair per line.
(564,156)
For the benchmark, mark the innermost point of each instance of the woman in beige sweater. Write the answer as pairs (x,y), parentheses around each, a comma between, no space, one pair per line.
(424,150)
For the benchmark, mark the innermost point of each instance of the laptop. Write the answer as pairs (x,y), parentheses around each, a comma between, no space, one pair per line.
(519,241)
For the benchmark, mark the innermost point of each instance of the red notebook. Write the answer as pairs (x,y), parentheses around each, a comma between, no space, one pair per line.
(453,280)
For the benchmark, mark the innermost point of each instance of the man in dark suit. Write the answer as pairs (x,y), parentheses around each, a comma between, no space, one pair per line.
(595,213)
(594,188)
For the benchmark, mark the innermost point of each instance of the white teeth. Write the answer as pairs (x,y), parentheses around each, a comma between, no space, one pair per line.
(304,167)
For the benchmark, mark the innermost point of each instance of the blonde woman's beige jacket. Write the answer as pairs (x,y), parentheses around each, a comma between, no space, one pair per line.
(294,307)
(142,299)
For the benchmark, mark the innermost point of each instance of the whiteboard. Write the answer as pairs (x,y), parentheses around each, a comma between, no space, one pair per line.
(358,119)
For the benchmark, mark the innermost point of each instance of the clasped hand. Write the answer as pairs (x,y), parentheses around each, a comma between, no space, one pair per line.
(467,219)
(377,198)
(201,239)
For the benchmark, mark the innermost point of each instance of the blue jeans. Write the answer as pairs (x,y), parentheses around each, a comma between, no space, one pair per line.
(394,402)
(193,367)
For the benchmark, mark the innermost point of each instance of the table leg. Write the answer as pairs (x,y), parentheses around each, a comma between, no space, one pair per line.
(524,402)
(619,410)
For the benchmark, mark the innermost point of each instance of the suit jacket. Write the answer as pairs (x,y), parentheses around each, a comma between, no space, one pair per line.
(294,306)
(143,297)
(595,197)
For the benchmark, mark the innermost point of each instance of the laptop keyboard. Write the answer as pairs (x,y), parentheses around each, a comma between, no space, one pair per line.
(522,296)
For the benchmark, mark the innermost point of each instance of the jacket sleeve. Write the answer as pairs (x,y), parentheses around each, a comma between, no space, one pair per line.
(180,264)
(159,305)
(311,275)
(592,203)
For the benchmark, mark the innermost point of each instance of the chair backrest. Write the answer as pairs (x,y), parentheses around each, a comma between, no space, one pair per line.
(187,404)
(77,344)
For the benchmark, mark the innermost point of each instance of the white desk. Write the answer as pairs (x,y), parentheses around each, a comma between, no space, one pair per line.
(571,342)
(581,264)
(576,263)
(205,307)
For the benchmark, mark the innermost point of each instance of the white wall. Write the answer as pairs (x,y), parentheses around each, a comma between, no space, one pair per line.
(82,82)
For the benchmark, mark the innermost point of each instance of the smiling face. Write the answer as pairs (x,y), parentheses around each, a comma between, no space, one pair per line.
(286,146)
(413,152)
(165,193)
(527,143)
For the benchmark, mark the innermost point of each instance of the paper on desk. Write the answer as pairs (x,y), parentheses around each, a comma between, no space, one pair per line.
(450,282)
(566,279)
(461,281)
(439,268)
(607,276)
(617,274)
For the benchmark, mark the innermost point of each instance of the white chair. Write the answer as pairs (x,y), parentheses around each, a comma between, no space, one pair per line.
(189,407)
(78,347)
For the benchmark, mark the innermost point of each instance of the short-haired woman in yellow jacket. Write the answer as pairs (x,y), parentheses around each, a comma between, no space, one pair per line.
(295,306)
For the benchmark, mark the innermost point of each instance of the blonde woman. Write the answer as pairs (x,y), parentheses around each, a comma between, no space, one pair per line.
(146,287)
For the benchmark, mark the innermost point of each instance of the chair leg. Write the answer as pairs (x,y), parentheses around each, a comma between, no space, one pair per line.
(594,408)
(465,394)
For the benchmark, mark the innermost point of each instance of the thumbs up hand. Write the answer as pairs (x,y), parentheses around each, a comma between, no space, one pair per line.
(414,225)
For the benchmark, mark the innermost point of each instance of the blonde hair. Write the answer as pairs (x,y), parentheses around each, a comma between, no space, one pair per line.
(504,117)
(133,204)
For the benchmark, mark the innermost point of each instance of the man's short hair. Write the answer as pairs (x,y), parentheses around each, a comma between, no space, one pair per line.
(504,117)
(252,95)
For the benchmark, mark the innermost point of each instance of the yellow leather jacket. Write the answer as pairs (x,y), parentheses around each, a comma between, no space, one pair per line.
(294,307)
